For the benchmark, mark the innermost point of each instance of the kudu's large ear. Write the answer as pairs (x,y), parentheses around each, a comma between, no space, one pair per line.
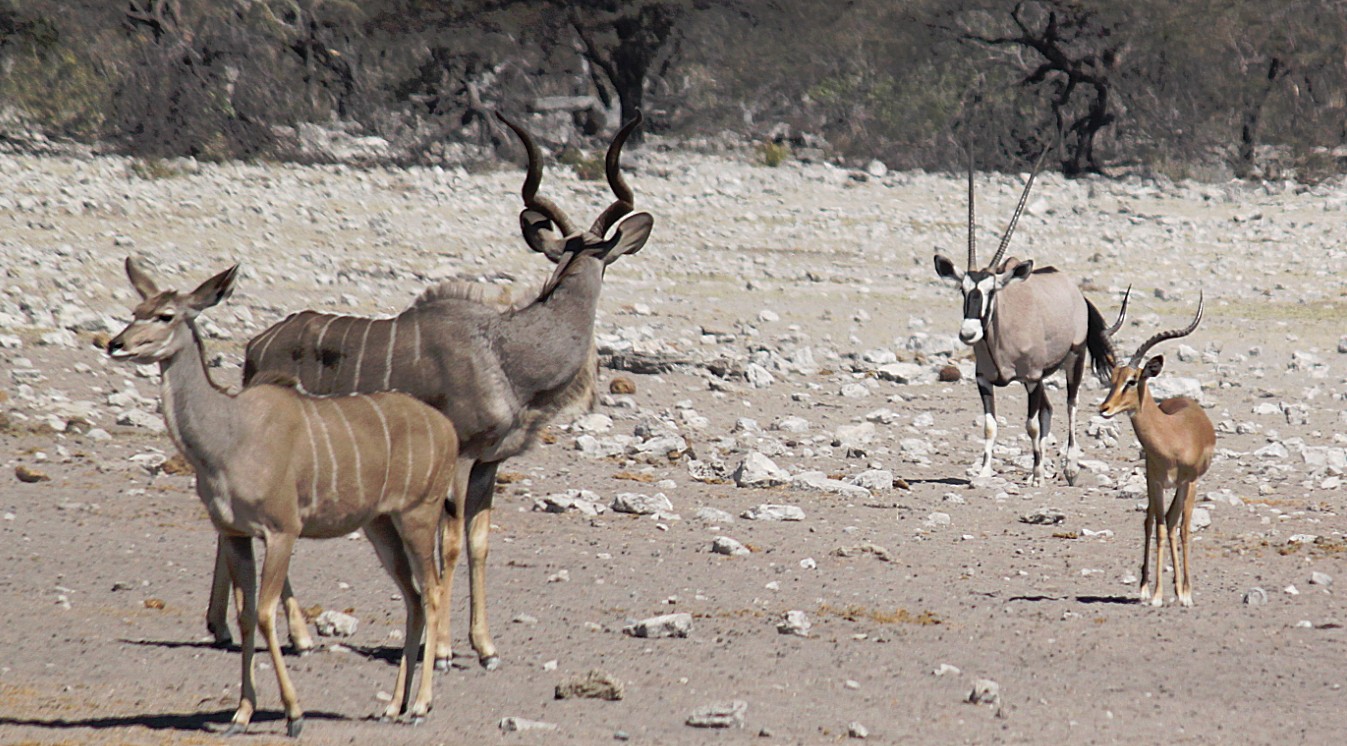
(1153,366)
(946,269)
(541,234)
(140,279)
(628,236)
(1017,273)
(213,291)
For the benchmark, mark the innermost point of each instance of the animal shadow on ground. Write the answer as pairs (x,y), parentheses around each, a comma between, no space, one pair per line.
(185,721)
(383,653)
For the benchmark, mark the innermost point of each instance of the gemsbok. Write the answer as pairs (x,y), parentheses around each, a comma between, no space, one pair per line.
(1179,441)
(1025,323)
(500,375)
(276,464)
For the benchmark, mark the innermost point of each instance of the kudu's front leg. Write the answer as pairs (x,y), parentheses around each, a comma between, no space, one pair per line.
(481,492)
(217,610)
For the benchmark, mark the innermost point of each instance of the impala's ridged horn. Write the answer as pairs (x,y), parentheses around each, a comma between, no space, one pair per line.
(972,235)
(1162,336)
(624,202)
(1122,314)
(534,178)
(1024,197)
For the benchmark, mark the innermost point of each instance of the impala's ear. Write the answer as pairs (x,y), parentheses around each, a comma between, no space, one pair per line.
(628,236)
(541,234)
(1019,272)
(947,271)
(213,291)
(1153,366)
(140,279)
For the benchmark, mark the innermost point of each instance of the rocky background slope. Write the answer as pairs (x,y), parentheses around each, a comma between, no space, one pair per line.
(778,457)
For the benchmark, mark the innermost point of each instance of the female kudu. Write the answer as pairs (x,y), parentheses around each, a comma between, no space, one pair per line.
(278,465)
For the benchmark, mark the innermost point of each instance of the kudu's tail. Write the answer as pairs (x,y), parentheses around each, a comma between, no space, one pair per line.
(1102,357)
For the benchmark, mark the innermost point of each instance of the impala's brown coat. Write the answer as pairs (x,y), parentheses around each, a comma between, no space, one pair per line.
(1179,442)
(275,464)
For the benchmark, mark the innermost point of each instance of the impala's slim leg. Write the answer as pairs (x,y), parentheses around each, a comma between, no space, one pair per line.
(988,425)
(275,567)
(217,610)
(1180,520)
(243,574)
(451,546)
(1155,513)
(1073,376)
(1038,401)
(389,547)
(481,492)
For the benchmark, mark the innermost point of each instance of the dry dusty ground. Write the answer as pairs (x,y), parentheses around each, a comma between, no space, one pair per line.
(844,266)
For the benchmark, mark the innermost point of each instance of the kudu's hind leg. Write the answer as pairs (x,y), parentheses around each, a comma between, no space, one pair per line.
(988,395)
(481,492)
(451,546)
(389,546)
(217,610)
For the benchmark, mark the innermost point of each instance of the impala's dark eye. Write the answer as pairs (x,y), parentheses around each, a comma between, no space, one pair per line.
(1130,383)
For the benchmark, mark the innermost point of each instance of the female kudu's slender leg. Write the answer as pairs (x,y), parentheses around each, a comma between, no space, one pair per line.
(243,573)
(275,568)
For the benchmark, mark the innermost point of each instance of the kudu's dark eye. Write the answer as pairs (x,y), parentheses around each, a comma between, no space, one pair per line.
(164,317)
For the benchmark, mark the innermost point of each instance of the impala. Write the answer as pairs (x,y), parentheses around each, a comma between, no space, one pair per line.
(1179,441)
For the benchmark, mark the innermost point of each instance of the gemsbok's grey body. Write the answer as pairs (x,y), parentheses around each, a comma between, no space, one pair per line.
(1025,324)
(275,464)
(500,375)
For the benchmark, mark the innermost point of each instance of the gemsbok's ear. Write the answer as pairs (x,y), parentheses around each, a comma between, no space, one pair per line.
(1018,273)
(628,236)
(140,279)
(213,291)
(946,270)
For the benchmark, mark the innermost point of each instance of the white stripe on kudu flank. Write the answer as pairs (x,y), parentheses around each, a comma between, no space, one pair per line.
(355,445)
(416,338)
(388,445)
(313,454)
(266,339)
(432,462)
(341,354)
(327,438)
(360,359)
(388,358)
(318,356)
(406,431)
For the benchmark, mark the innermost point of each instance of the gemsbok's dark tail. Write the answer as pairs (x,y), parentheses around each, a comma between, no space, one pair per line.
(1102,357)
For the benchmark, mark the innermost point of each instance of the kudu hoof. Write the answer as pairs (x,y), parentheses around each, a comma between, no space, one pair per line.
(235,729)
(443,664)
(293,727)
(490,662)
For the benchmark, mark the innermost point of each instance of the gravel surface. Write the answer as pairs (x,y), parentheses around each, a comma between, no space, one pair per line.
(783,330)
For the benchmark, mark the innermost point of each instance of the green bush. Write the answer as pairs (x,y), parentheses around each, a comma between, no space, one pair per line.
(773,154)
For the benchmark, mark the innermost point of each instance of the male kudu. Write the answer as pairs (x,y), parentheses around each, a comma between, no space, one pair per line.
(276,464)
(500,375)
